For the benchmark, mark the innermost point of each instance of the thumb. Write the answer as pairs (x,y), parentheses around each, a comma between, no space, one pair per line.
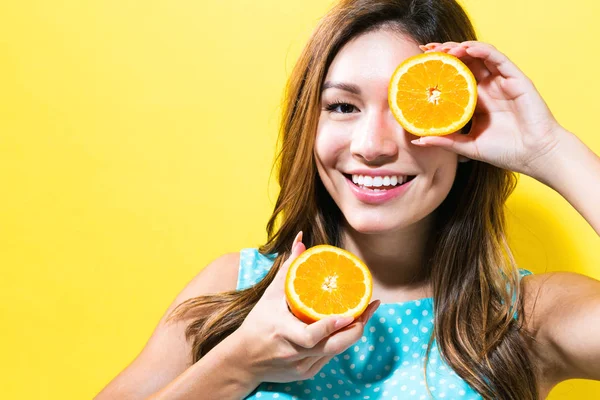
(458,143)
(297,249)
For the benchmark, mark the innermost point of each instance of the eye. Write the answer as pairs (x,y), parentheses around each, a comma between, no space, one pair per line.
(341,107)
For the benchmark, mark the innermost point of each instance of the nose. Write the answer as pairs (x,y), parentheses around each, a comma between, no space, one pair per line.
(375,140)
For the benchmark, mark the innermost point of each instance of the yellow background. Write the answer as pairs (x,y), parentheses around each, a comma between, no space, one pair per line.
(136,141)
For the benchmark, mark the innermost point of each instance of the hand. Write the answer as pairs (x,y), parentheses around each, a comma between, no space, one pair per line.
(512,127)
(280,347)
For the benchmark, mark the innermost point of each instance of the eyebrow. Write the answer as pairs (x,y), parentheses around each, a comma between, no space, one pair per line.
(348,87)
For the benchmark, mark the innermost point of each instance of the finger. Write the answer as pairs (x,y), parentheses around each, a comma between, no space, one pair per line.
(297,249)
(343,338)
(312,334)
(497,62)
(309,335)
(457,143)
(318,365)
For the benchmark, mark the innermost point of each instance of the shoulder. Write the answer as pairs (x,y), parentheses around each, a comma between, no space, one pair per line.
(220,275)
(167,353)
(562,310)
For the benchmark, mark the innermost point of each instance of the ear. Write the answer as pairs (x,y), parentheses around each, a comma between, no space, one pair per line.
(463,159)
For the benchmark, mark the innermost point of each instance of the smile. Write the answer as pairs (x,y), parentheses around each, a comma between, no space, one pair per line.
(377,190)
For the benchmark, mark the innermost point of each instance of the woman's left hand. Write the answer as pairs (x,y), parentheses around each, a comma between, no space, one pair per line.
(512,127)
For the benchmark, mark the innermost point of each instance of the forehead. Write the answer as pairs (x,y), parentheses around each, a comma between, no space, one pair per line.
(371,57)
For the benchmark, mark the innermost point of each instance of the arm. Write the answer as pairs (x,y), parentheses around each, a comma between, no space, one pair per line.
(573,170)
(167,355)
(562,312)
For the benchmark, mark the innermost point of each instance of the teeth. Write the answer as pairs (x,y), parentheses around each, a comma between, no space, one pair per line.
(378,181)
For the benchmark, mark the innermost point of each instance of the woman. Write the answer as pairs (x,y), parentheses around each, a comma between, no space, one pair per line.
(446,324)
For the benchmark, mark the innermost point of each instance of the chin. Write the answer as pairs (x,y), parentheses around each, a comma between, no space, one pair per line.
(370,224)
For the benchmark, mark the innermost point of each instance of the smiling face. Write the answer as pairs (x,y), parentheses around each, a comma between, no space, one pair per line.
(363,155)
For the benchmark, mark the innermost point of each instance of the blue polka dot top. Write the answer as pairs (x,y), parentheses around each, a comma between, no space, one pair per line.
(387,362)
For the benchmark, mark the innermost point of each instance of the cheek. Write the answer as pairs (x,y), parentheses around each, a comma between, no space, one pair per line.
(330,145)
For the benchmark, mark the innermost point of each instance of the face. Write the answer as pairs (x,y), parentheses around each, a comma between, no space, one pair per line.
(363,154)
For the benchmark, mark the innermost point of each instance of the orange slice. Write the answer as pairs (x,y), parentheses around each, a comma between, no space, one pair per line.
(326,280)
(432,94)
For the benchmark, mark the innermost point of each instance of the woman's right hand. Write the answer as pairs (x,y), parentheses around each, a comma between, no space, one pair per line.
(281,348)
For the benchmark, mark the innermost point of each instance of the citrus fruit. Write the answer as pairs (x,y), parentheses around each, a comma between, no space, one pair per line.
(326,280)
(432,94)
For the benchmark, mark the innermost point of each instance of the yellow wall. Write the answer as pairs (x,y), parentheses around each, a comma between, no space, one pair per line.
(136,140)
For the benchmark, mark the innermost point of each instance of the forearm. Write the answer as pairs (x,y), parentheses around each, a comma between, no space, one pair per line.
(220,374)
(573,170)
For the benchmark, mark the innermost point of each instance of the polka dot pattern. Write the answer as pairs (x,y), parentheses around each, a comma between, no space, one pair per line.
(387,362)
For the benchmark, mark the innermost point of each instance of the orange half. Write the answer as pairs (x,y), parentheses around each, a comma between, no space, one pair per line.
(432,94)
(326,280)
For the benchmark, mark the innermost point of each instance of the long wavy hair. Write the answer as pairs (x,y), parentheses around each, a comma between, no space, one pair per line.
(474,276)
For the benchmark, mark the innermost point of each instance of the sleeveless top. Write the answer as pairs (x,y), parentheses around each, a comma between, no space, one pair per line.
(387,362)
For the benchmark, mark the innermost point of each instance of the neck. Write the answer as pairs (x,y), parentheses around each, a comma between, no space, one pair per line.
(396,260)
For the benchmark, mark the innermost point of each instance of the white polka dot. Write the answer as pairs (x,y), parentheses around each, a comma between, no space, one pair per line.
(403,387)
(387,367)
(346,357)
(362,357)
(381,339)
(371,348)
(259,394)
(397,340)
(452,386)
(405,348)
(405,330)
(307,391)
(318,388)
(424,346)
(390,330)
(347,393)
(415,355)
(424,330)
(275,395)
(415,321)
(399,321)
(372,329)
(461,392)
(396,358)
(418,302)
(382,320)
(287,388)
(369,367)
(364,339)
(322,375)
(413,392)
(333,371)
(376,389)
(408,311)
(384,393)
(379,358)
(424,313)
(336,396)
(388,349)
(415,339)
(352,366)
(391,311)
(356,348)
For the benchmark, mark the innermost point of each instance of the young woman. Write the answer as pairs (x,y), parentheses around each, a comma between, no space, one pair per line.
(452,317)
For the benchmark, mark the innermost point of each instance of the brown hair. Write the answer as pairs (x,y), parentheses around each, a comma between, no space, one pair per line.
(474,276)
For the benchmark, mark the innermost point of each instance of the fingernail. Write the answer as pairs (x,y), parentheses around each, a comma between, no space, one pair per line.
(419,142)
(424,48)
(343,322)
(298,237)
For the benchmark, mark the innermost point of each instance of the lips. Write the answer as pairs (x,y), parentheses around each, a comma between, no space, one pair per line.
(370,196)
